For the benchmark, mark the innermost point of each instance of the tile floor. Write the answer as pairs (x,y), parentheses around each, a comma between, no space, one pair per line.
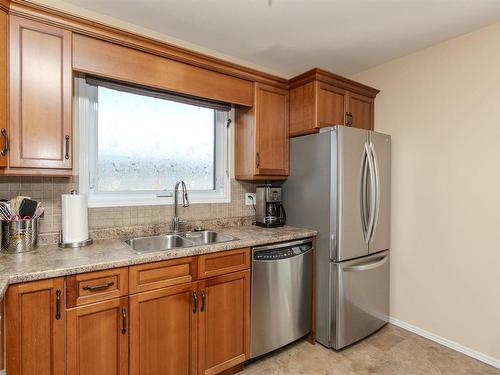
(391,350)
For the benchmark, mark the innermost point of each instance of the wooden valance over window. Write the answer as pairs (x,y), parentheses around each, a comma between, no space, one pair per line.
(113,61)
(157,93)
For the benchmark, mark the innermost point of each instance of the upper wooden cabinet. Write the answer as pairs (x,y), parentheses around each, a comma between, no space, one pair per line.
(361,111)
(40,93)
(4,126)
(261,136)
(36,328)
(320,99)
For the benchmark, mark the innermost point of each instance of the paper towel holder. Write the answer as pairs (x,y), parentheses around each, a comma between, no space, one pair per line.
(83,243)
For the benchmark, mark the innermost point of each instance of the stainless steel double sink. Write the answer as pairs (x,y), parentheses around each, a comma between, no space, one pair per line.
(177,241)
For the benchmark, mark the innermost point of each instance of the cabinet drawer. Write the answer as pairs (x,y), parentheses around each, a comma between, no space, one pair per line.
(96,286)
(224,262)
(156,275)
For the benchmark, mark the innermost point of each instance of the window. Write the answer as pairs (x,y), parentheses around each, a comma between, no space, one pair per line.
(136,143)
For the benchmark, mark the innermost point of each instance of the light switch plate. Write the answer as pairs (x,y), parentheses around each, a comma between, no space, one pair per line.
(248,200)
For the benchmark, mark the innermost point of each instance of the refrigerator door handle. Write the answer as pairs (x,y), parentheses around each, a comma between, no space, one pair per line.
(363,194)
(376,187)
(367,266)
(371,170)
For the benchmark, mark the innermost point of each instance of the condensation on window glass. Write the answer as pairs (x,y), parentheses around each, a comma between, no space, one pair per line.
(147,144)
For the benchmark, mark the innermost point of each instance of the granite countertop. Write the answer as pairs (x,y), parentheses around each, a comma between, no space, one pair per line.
(50,261)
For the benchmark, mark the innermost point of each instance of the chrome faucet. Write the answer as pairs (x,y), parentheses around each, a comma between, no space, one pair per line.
(176,221)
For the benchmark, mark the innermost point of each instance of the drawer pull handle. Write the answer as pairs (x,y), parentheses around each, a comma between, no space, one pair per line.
(124,320)
(93,288)
(203,301)
(58,304)
(5,143)
(195,302)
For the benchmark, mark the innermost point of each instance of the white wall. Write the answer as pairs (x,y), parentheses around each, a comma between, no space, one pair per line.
(442,107)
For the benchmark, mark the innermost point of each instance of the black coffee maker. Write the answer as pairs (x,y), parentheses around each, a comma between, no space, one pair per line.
(269,211)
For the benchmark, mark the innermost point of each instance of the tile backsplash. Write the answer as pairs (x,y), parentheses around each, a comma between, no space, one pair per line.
(49,189)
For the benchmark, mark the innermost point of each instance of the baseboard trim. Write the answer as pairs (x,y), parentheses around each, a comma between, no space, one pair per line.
(495,362)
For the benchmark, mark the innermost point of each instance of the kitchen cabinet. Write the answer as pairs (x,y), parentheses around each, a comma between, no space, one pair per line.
(208,325)
(3,87)
(40,97)
(261,136)
(36,328)
(97,338)
(224,322)
(321,99)
(361,111)
(96,286)
(2,336)
(176,321)
(163,331)
(332,104)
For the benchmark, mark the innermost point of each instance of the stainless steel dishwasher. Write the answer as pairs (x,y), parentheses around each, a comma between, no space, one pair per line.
(281,295)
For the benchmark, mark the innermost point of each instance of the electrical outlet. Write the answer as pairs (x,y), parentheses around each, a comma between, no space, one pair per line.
(248,199)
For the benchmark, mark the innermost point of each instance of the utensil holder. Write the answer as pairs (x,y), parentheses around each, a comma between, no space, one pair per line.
(19,236)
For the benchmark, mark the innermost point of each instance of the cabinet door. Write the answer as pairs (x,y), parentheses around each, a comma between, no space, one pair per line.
(332,103)
(362,111)
(302,111)
(97,340)
(271,106)
(3,88)
(36,328)
(224,322)
(163,331)
(40,95)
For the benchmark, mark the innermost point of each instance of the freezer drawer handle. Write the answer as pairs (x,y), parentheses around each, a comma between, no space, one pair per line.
(367,266)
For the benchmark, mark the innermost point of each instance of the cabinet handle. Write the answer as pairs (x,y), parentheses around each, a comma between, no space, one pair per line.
(124,320)
(203,301)
(5,142)
(93,288)
(348,119)
(257,160)
(58,304)
(195,302)
(66,155)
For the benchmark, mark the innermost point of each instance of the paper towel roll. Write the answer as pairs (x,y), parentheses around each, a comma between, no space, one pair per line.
(75,225)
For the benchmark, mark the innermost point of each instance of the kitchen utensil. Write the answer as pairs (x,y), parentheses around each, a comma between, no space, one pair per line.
(6,212)
(27,208)
(15,203)
(38,212)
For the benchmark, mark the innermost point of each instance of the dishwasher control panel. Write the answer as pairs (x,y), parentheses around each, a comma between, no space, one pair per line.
(282,253)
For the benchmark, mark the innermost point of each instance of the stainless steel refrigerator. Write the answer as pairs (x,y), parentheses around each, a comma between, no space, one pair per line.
(339,184)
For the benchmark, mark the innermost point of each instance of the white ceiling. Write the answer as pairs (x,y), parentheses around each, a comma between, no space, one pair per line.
(291,36)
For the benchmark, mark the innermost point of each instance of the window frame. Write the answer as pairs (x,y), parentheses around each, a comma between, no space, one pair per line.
(86,118)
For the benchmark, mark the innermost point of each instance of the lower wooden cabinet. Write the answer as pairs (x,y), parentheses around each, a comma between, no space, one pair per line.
(36,328)
(163,331)
(97,338)
(224,322)
(200,327)
(196,328)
